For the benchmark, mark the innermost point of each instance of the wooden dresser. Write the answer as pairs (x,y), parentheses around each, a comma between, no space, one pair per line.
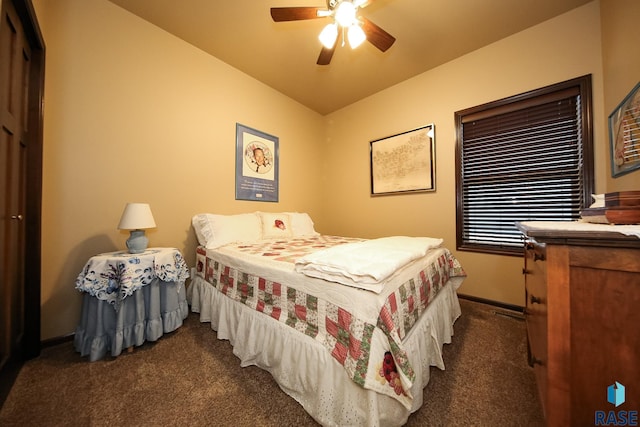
(583,318)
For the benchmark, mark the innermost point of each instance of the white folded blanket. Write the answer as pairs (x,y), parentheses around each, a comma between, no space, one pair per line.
(365,264)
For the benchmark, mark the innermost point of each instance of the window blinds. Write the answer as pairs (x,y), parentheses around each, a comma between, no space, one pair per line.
(522,161)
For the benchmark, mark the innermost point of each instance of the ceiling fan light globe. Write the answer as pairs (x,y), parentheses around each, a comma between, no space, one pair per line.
(346,14)
(356,36)
(329,35)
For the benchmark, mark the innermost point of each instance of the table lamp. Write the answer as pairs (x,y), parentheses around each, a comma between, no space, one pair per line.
(136,217)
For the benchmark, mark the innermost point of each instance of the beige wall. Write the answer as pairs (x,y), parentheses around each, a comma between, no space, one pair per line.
(135,114)
(621,64)
(560,49)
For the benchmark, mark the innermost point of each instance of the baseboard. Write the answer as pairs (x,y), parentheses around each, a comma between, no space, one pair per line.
(56,340)
(494,303)
(66,338)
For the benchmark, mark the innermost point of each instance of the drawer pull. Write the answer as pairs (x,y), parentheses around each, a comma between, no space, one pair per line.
(535,300)
(535,361)
(536,250)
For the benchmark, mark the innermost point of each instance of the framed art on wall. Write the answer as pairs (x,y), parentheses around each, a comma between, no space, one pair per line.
(404,163)
(624,134)
(256,165)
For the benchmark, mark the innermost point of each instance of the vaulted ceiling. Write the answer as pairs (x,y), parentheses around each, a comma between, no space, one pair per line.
(283,54)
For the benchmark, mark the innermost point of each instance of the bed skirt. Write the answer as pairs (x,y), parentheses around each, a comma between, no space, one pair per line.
(306,371)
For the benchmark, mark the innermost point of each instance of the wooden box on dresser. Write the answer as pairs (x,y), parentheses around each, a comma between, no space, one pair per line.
(582,311)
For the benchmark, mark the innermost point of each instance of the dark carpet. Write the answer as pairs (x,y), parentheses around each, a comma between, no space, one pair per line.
(189,377)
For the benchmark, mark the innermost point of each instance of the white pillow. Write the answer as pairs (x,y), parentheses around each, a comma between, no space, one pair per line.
(301,224)
(598,201)
(214,230)
(276,225)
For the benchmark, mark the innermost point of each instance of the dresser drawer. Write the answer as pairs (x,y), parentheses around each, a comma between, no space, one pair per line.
(535,273)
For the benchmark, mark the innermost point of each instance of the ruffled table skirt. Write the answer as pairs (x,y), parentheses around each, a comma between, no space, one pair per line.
(150,312)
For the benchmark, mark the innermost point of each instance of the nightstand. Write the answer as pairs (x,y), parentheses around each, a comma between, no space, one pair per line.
(129,299)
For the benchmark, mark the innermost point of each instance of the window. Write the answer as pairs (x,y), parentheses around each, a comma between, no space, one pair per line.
(523,158)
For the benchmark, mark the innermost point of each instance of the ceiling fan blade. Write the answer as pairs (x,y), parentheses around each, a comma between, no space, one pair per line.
(376,35)
(326,54)
(280,14)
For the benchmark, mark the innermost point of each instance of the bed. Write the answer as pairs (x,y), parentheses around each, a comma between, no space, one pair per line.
(352,347)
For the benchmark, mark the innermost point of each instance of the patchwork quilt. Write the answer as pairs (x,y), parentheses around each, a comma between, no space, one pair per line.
(362,330)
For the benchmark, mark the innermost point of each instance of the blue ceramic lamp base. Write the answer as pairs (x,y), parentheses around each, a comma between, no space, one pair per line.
(137,242)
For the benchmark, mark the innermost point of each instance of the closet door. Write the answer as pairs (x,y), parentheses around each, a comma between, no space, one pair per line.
(14,69)
(20,185)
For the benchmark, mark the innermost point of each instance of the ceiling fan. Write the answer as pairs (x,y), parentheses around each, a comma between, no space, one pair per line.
(345,21)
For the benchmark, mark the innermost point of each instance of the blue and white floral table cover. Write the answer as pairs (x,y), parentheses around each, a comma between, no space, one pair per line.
(113,276)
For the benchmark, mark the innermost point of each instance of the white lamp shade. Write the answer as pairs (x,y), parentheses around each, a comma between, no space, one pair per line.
(356,36)
(329,35)
(136,216)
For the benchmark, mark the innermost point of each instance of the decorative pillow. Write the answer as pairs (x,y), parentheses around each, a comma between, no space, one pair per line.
(214,230)
(276,225)
(301,224)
